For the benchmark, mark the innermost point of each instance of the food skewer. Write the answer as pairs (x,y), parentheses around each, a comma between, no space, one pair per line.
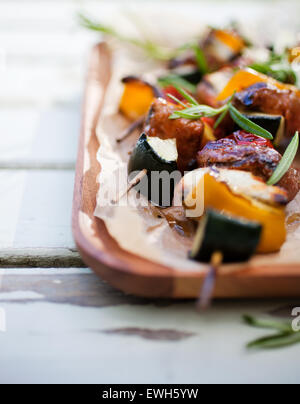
(222,238)
(127,132)
(205,297)
(150,154)
(223,124)
(155,155)
(135,181)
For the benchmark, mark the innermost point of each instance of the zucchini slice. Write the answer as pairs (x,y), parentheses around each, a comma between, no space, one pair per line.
(158,157)
(237,239)
(275,124)
(191,75)
(154,154)
(238,194)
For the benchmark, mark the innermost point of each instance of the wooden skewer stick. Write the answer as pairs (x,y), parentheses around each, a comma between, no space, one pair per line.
(208,287)
(135,125)
(138,178)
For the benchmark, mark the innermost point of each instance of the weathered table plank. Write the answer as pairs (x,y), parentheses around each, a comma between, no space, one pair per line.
(36,218)
(39,138)
(69,326)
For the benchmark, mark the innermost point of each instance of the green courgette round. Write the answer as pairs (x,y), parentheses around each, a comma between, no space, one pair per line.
(159,158)
(236,239)
(193,76)
(275,124)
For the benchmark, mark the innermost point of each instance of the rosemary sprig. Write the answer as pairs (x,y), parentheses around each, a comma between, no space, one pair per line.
(176,100)
(220,119)
(199,111)
(280,73)
(200,58)
(277,67)
(190,99)
(267,323)
(284,337)
(248,125)
(175,80)
(94,26)
(279,340)
(286,161)
(152,49)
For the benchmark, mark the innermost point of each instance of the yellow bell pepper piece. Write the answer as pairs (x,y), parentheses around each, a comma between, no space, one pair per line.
(248,77)
(136,99)
(230,39)
(208,135)
(294,54)
(217,195)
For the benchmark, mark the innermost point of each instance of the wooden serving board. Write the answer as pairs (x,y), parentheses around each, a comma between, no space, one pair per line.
(131,273)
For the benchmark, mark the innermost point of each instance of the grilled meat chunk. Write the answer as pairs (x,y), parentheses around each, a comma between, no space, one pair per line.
(291,182)
(206,93)
(188,133)
(263,98)
(261,160)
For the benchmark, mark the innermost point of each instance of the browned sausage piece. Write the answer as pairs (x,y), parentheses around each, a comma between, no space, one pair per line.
(188,133)
(259,160)
(263,98)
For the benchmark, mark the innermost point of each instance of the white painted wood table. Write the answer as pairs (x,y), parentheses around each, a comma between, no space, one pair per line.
(58,321)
